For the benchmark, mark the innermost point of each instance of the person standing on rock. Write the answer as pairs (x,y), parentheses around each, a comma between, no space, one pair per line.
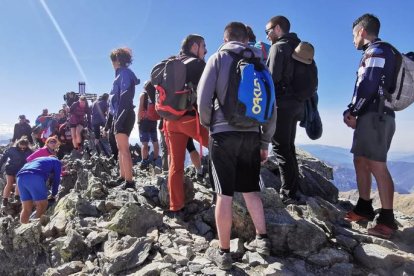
(289,109)
(373,124)
(32,183)
(235,152)
(122,107)
(193,51)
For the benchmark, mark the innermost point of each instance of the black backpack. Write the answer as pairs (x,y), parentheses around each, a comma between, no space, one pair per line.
(305,80)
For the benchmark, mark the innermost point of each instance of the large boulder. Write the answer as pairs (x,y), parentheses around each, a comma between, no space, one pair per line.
(124,254)
(134,220)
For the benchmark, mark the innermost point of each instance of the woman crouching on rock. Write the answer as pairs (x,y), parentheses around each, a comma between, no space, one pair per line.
(32,183)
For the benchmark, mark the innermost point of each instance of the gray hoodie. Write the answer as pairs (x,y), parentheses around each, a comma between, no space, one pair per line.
(214,81)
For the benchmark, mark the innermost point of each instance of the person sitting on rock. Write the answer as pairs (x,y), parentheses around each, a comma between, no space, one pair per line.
(50,148)
(31,180)
(15,158)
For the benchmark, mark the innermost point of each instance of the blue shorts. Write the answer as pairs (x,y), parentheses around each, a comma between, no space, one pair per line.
(32,187)
(148,131)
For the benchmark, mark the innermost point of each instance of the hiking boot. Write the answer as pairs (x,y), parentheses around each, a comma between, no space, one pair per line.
(382,231)
(17,198)
(128,184)
(144,164)
(177,215)
(351,216)
(260,245)
(221,259)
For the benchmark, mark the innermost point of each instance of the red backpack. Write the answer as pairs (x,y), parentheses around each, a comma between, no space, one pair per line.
(149,109)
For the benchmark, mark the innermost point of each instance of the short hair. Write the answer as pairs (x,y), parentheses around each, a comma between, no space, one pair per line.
(189,41)
(369,22)
(250,34)
(122,55)
(236,31)
(82,98)
(282,21)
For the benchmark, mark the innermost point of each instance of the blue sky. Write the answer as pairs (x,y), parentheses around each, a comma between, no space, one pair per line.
(38,66)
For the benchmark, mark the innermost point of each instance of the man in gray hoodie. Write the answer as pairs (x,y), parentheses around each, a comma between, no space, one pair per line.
(235,152)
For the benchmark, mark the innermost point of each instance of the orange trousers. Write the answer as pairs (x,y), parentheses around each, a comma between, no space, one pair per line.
(178,133)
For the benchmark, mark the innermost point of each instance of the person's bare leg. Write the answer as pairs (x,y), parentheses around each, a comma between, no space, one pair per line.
(125,161)
(27,208)
(10,180)
(384,182)
(255,207)
(223,215)
(195,159)
(144,150)
(156,149)
(363,177)
(41,207)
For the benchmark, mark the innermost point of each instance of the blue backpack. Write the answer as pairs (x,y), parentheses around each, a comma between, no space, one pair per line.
(250,97)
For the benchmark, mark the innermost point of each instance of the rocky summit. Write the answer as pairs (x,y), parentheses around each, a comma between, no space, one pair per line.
(96,228)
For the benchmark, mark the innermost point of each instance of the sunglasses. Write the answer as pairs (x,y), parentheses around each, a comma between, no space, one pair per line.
(52,142)
(268,31)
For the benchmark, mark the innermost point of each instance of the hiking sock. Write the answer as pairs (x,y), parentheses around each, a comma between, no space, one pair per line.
(222,250)
(386,217)
(261,236)
(364,208)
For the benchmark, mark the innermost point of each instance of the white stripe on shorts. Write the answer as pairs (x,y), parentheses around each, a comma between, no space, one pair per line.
(217,186)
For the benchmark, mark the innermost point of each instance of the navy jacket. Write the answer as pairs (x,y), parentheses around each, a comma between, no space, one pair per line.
(45,167)
(15,159)
(377,61)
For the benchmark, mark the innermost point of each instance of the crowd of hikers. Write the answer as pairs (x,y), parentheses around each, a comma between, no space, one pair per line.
(247,96)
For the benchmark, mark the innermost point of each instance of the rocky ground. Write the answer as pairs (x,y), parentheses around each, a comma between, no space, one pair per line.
(99,229)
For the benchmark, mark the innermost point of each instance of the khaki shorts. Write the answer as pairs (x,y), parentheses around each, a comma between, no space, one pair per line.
(373,136)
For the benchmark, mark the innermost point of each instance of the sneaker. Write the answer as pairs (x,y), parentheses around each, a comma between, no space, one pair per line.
(261,246)
(128,184)
(222,260)
(351,216)
(382,231)
(144,164)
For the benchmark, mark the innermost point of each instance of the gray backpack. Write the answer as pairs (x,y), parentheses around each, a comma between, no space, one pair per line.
(174,97)
(403,95)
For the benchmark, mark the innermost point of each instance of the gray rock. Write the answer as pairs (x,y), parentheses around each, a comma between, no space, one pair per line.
(124,254)
(65,269)
(313,184)
(236,247)
(186,251)
(96,190)
(253,259)
(95,238)
(277,269)
(152,269)
(126,220)
(164,195)
(343,269)
(306,238)
(202,227)
(377,257)
(346,242)
(74,246)
(329,257)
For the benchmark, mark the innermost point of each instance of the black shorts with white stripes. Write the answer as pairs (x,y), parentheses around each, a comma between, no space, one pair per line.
(234,162)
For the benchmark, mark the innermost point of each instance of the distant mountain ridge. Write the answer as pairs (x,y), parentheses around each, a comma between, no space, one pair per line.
(401,166)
